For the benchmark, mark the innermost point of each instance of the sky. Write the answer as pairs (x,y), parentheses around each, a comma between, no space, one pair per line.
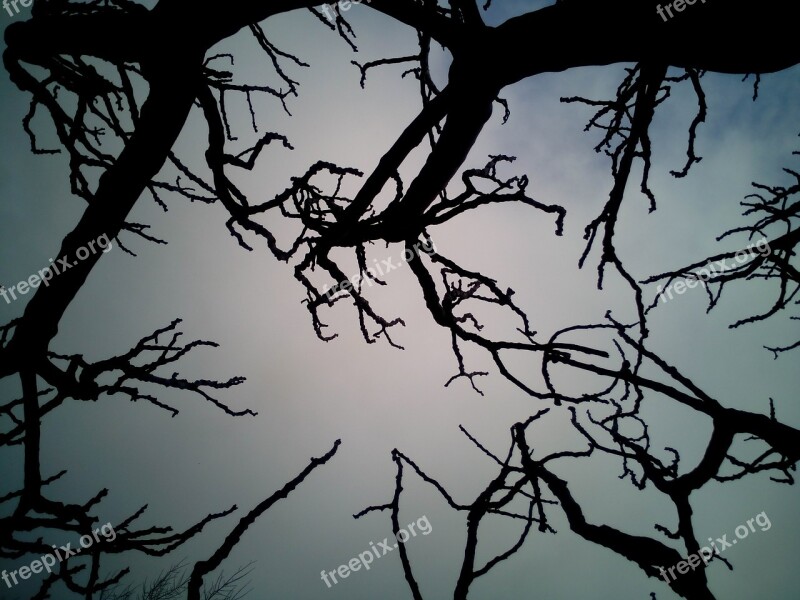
(374,398)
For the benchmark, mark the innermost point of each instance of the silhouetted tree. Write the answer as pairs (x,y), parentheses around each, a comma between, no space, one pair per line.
(86,63)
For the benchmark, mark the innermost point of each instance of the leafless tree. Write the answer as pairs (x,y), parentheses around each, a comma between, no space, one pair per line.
(83,65)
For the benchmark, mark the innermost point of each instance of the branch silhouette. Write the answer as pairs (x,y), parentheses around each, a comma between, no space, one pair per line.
(142,97)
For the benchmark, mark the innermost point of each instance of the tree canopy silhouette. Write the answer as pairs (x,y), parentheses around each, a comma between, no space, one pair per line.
(118,83)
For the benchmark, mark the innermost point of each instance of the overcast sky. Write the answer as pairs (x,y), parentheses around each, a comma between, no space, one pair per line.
(375,398)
